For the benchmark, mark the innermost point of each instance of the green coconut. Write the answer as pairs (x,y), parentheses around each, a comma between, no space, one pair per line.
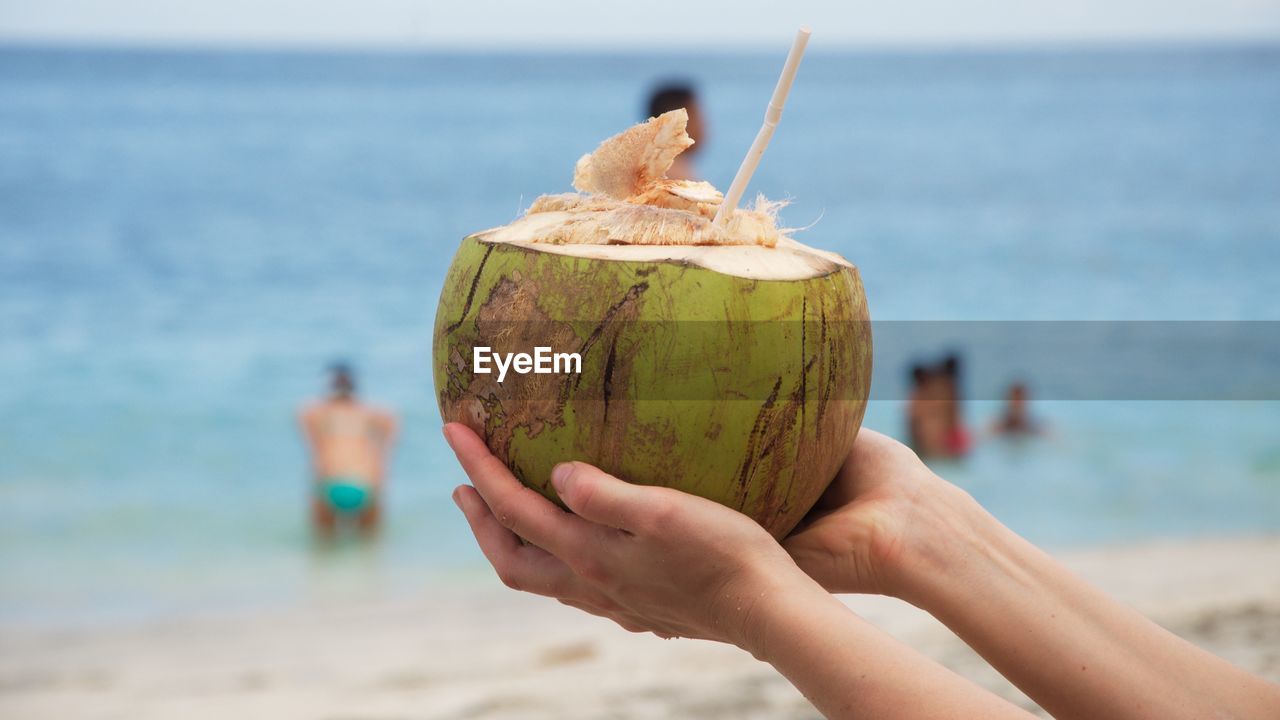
(736,369)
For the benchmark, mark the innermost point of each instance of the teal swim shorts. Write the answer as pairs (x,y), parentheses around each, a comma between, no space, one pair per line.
(345,494)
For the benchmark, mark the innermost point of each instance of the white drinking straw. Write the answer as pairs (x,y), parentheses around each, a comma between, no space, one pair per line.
(771,118)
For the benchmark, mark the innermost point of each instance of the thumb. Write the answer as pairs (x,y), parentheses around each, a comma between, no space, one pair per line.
(599,497)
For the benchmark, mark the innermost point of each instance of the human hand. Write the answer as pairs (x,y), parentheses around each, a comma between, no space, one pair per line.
(884,507)
(648,558)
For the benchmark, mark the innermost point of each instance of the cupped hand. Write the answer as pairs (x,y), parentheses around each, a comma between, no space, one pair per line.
(860,536)
(649,558)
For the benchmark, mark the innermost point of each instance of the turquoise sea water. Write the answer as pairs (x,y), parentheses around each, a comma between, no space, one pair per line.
(186,239)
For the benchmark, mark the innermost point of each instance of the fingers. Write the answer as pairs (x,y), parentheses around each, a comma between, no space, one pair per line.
(518,508)
(603,499)
(519,566)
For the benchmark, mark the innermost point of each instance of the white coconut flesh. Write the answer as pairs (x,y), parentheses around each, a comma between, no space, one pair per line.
(626,209)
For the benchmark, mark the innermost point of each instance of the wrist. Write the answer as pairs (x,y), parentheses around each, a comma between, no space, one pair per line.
(950,537)
(779,611)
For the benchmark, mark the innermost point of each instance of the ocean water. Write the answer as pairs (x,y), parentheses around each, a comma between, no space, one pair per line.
(187,238)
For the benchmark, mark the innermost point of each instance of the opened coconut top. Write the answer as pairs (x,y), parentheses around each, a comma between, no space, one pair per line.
(626,208)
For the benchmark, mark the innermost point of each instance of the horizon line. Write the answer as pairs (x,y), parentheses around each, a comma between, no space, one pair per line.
(394,47)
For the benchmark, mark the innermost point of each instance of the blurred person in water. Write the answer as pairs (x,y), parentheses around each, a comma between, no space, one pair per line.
(926,431)
(958,440)
(673,96)
(350,444)
(1016,420)
(935,417)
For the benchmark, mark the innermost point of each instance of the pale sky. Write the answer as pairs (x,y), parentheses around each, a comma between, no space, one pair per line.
(570,24)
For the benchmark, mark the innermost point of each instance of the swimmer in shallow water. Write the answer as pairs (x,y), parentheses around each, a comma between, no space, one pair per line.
(350,443)
(1016,420)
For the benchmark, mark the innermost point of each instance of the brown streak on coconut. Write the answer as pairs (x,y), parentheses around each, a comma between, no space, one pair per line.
(822,348)
(632,295)
(753,440)
(471,294)
(606,386)
(804,349)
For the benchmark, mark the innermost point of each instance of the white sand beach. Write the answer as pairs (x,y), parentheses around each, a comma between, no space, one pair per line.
(486,652)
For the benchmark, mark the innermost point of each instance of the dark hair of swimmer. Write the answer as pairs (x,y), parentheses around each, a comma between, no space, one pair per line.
(671,96)
(919,373)
(951,365)
(342,380)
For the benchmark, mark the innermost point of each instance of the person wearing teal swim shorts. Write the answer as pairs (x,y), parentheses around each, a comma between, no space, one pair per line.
(350,443)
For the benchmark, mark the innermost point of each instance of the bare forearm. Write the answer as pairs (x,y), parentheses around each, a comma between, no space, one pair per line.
(849,669)
(1072,648)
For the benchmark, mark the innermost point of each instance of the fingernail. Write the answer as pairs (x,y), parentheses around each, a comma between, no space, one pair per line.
(448,437)
(560,475)
(457,496)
